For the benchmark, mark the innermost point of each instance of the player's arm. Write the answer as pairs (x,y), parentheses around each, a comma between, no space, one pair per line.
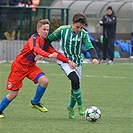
(34,45)
(87,43)
(43,53)
(92,52)
(53,54)
(50,49)
(59,57)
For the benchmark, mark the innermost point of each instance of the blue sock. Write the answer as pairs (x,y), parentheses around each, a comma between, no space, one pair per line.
(39,93)
(4,103)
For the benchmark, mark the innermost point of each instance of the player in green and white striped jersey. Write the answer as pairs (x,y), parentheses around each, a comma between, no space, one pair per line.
(72,37)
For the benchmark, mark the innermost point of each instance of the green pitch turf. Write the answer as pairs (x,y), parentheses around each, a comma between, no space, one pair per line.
(109,87)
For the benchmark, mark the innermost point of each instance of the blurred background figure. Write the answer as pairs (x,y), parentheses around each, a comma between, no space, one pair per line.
(14,17)
(108,23)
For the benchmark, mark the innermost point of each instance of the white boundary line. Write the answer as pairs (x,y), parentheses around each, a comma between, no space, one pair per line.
(92,76)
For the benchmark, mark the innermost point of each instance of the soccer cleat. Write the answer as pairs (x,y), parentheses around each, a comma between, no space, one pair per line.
(110,62)
(71,112)
(1,115)
(39,106)
(81,109)
(103,62)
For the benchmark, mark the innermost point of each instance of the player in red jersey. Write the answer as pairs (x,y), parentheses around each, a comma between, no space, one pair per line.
(25,66)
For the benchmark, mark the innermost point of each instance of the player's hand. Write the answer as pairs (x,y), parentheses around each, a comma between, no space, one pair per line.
(72,64)
(53,55)
(38,57)
(95,62)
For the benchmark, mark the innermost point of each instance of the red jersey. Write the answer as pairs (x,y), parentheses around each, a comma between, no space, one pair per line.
(27,55)
(34,47)
(24,65)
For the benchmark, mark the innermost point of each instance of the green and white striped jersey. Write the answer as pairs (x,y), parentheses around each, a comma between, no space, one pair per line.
(71,43)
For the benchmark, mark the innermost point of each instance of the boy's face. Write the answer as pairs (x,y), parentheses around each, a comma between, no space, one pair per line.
(43,31)
(77,27)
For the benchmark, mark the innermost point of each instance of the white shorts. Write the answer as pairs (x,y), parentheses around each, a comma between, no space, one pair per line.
(67,70)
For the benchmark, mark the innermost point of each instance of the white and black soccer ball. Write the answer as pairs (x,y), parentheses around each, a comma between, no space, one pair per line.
(92,114)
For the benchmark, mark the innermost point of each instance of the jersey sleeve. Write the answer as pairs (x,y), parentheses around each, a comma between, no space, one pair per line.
(62,58)
(33,41)
(86,41)
(51,50)
(56,35)
(39,51)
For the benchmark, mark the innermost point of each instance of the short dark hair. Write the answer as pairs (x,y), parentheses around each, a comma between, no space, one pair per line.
(109,8)
(79,18)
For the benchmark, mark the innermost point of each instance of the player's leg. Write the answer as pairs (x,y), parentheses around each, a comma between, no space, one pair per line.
(35,103)
(77,91)
(37,76)
(14,82)
(71,105)
(6,101)
(72,99)
(66,68)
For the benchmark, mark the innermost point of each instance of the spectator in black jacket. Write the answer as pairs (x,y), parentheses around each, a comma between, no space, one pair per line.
(109,22)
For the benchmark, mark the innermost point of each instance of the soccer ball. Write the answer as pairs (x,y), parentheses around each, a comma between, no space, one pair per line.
(92,114)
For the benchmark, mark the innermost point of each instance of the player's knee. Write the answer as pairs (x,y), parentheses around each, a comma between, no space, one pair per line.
(74,80)
(44,82)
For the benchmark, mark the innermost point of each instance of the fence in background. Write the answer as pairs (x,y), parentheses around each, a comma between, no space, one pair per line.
(10,49)
(28,19)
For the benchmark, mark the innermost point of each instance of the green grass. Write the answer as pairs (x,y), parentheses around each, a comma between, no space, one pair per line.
(109,87)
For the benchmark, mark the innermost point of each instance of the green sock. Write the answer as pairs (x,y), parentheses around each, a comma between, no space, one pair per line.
(72,100)
(78,96)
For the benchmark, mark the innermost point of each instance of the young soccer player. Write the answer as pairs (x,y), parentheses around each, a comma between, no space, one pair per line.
(25,66)
(71,39)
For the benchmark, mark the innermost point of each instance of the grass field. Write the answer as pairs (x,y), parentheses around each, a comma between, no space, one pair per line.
(109,87)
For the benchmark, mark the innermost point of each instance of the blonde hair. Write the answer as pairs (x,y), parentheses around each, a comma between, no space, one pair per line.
(42,22)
